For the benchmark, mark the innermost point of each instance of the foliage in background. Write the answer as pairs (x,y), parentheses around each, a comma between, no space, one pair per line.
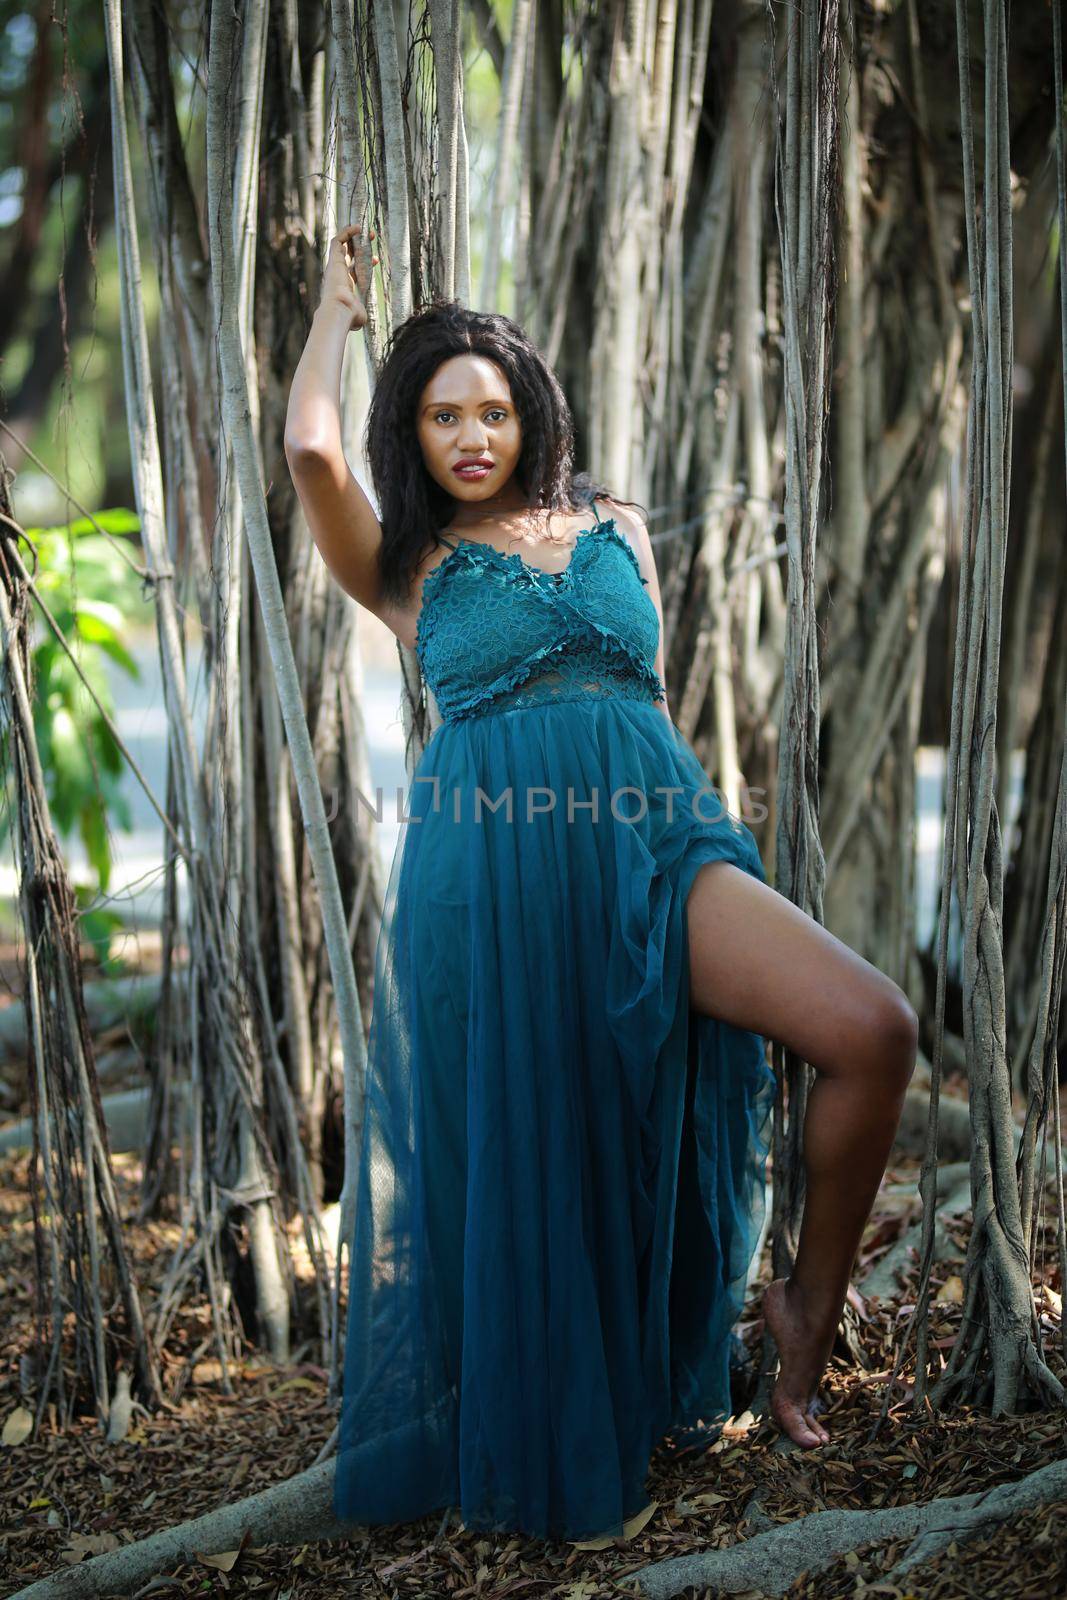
(95,597)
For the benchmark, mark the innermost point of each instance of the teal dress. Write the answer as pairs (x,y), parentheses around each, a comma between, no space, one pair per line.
(562,1169)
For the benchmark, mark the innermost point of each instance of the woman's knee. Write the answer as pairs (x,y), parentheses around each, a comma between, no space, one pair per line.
(885,1035)
(902,1028)
(759,962)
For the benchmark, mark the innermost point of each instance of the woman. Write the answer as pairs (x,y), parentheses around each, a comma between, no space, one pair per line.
(568,1102)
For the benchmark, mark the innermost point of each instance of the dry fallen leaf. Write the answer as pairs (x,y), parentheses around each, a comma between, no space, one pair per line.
(951,1292)
(18,1427)
(223,1562)
(634,1524)
(80,1545)
(631,1527)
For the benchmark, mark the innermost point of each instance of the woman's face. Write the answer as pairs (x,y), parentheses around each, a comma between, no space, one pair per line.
(466,413)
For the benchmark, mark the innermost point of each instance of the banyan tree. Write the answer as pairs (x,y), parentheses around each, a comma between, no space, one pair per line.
(801,273)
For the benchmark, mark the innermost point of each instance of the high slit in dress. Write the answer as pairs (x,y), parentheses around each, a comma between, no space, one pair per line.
(562,1166)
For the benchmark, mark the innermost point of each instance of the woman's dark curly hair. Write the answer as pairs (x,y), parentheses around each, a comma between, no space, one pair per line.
(412,506)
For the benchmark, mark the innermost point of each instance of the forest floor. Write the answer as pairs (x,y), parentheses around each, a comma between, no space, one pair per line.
(66,1494)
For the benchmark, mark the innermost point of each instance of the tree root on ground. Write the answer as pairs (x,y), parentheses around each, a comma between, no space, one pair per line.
(953,1197)
(772,1561)
(300,1511)
(297,1511)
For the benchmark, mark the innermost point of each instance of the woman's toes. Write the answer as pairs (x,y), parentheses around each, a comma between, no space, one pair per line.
(817,1405)
(799,1421)
(810,1434)
(819,1431)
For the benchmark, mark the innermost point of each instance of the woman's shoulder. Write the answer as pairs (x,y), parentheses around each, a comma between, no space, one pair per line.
(628,522)
(617,506)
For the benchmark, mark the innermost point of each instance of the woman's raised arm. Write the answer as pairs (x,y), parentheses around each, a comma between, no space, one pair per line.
(342,521)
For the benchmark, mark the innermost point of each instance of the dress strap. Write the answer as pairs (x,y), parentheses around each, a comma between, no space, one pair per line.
(595,512)
(446,540)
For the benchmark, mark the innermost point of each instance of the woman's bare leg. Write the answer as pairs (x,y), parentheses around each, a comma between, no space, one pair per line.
(759,962)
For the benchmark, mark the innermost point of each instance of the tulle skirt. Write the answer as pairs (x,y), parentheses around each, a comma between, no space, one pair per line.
(562,1171)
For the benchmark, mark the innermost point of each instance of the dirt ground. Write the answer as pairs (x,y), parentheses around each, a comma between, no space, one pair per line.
(67,1494)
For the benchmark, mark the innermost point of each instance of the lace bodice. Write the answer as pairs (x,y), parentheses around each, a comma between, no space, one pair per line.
(494,632)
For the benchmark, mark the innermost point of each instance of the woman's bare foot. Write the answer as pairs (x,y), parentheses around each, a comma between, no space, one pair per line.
(804,1339)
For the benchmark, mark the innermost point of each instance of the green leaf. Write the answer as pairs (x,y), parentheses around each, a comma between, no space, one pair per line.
(119,519)
(85,573)
(98,614)
(99,623)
